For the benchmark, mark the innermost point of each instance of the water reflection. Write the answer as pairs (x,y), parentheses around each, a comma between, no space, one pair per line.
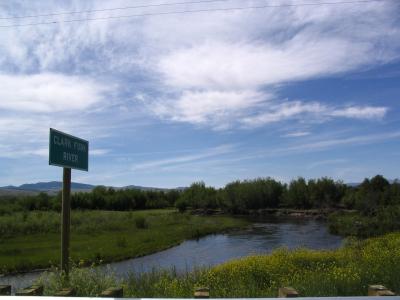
(262,237)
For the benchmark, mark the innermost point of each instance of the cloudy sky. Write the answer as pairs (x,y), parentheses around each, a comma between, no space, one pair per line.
(174,91)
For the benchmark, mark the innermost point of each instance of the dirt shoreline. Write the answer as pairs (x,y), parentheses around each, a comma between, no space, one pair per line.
(319,214)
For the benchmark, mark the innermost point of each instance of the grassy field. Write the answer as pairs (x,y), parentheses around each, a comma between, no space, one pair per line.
(343,272)
(32,240)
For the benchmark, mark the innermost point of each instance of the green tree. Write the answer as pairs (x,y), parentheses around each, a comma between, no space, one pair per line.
(297,194)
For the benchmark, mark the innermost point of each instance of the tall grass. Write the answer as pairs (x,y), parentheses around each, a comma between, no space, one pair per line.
(42,222)
(32,240)
(344,272)
(383,220)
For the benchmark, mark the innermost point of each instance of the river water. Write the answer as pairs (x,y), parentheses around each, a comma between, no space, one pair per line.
(263,236)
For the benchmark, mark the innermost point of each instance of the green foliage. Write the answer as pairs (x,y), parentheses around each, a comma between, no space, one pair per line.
(181,205)
(23,223)
(343,272)
(383,220)
(323,193)
(127,199)
(253,194)
(199,196)
(141,222)
(235,197)
(100,198)
(88,282)
(121,242)
(297,194)
(99,235)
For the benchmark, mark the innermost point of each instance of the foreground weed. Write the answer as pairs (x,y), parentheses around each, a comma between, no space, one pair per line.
(344,272)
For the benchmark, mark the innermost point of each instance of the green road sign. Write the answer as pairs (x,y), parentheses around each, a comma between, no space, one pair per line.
(68,151)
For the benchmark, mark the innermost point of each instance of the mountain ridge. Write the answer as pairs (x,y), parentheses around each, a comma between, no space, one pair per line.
(52,187)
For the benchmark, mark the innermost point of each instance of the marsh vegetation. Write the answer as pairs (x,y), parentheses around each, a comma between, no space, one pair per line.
(32,239)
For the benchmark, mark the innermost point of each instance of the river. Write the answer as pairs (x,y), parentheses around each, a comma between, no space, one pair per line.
(263,236)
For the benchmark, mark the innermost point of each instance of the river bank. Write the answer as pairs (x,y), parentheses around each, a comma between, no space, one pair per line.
(263,236)
(346,271)
(318,214)
(33,239)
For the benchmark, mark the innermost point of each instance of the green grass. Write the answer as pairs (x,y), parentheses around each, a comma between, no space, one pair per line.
(32,240)
(344,272)
(381,221)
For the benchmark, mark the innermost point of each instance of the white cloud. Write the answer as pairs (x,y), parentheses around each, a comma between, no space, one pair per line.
(211,69)
(214,108)
(366,112)
(257,63)
(219,70)
(279,112)
(19,152)
(296,134)
(326,162)
(247,108)
(311,112)
(297,44)
(212,152)
(254,65)
(48,92)
(349,141)
(99,152)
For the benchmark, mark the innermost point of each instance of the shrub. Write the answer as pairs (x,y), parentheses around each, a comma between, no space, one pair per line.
(181,205)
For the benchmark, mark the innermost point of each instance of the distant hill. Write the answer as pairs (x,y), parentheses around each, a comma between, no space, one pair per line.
(143,188)
(52,187)
(45,186)
(353,184)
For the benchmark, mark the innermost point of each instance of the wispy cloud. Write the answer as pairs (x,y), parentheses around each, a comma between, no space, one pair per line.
(326,162)
(213,70)
(223,71)
(366,112)
(339,142)
(48,92)
(261,67)
(220,150)
(99,152)
(243,65)
(285,111)
(211,108)
(296,134)
(313,111)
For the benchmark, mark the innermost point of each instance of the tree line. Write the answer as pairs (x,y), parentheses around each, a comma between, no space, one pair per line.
(321,193)
(101,198)
(236,197)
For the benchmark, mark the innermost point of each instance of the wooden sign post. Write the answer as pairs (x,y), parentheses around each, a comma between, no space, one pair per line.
(66,219)
(68,152)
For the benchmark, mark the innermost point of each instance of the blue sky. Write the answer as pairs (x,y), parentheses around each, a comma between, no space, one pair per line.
(166,100)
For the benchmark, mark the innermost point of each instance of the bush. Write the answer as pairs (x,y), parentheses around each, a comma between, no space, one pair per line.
(181,205)
(384,220)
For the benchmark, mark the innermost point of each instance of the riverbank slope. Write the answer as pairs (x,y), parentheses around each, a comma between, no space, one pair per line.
(32,240)
(343,272)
